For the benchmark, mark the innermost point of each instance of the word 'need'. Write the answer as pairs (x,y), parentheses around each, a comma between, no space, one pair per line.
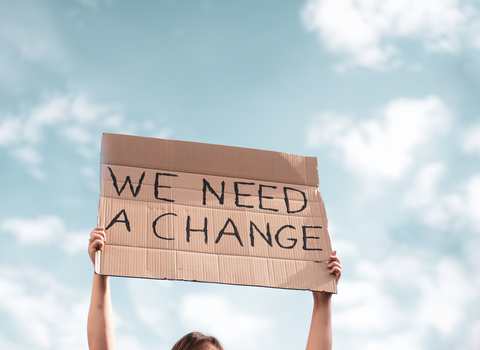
(242,190)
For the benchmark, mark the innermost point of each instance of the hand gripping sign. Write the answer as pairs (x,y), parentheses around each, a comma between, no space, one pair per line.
(200,212)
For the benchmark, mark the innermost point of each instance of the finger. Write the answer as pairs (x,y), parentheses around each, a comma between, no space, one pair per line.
(334,263)
(96,245)
(99,230)
(96,236)
(334,258)
(336,271)
(97,233)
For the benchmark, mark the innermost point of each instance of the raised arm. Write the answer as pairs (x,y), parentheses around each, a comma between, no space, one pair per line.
(320,336)
(100,331)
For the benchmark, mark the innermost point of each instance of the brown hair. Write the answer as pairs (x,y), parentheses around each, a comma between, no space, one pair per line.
(195,340)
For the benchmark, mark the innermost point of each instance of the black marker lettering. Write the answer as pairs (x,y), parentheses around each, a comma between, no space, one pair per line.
(261,196)
(294,240)
(287,201)
(155,227)
(157,186)
(119,191)
(207,184)
(267,239)
(234,233)
(305,237)
(237,194)
(115,220)
(204,230)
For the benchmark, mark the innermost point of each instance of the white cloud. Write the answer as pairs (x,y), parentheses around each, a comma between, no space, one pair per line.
(94,4)
(157,315)
(77,134)
(35,41)
(46,230)
(454,210)
(397,302)
(472,341)
(6,344)
(446,294)
(28,155)
(364,31)
(84,111)
(45,313)
(73,117)
(127,342)
(10,131)
(234,328)
(163,134)
(41,230)
(471,141)
(27,35)
(383,147)
(363,307)
(398,341)
(75,242)
(424,191)
(150,316)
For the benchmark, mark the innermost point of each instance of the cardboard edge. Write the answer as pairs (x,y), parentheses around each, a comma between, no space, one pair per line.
(98,255)
(311,171)
(232,269)
(121,157)
(223,283)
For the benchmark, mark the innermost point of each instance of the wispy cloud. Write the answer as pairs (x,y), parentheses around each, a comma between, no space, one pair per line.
(453,209)
(27,35)
(384,146)
(95,4)
(471,141)
(237,329)
(44,312)
(472,338)
(45,230)
(436,293)
(365,32)
(72,117)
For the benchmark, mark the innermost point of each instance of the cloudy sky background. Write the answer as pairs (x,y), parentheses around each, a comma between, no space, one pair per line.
(383,92)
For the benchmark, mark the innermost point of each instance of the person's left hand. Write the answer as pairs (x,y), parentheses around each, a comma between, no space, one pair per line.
(335,266)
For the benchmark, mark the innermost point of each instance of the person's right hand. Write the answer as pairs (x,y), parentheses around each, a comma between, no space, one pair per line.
(96,242)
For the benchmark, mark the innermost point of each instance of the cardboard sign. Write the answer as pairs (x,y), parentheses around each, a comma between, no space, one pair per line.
(199,212)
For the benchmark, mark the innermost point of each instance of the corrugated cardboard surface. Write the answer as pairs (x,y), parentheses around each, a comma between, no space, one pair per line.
(200,212)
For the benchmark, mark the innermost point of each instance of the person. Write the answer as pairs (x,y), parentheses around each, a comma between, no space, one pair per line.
(197,341)
(101,335)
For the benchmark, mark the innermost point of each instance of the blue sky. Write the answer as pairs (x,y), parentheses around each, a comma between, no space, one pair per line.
(383,92)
